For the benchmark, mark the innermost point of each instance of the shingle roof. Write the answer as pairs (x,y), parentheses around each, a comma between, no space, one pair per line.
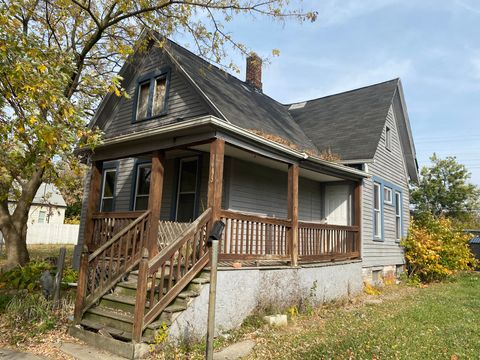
(238,102)
(475,240)
(349,124)
(49,194)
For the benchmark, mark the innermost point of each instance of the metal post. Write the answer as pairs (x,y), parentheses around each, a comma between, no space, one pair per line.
(213,240)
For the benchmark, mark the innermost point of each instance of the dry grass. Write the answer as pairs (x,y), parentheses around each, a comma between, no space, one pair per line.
(42,252)
(325,154)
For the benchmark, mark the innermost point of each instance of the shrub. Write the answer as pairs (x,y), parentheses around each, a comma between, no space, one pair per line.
(28,276)
(24,277)
(435,248)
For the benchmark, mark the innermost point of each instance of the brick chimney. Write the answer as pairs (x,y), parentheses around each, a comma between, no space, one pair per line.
(254,71)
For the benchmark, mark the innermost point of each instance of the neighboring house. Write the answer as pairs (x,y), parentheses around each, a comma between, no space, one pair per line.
(48,207)
(193,144)
(475,243)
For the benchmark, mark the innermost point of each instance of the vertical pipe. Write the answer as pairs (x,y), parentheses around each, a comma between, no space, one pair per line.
(212,298)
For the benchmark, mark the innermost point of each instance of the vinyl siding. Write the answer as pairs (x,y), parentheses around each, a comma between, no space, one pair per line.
(183,101)
(389,166)
(258,189)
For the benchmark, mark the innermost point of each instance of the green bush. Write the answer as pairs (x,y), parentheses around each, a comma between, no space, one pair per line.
(28,276)
(24,277)
(435,248)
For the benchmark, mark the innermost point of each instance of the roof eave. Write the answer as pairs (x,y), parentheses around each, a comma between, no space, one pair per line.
(223,125)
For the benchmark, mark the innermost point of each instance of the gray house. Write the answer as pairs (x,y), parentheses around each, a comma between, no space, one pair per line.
(314,197)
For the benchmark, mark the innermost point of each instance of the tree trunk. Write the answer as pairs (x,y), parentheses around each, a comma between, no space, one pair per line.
(14,226)
(16,246)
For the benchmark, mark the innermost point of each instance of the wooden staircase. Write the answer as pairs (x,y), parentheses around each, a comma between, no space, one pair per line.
(114,314)
(120,308)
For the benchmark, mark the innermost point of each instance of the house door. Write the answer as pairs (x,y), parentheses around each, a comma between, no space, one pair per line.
(187,190)
(336,204)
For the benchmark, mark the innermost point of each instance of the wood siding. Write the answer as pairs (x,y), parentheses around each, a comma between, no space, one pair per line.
(183,101)
(389,166)
(259,189)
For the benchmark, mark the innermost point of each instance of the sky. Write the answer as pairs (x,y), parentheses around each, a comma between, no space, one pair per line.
(432,45)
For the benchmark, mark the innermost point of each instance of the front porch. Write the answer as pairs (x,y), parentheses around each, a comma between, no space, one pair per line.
(168,246)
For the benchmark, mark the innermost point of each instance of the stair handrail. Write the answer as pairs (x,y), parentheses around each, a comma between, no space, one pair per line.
(89,263)
(196,235)
(117,236)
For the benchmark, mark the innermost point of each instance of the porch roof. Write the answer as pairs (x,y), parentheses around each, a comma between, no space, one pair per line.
(207,127)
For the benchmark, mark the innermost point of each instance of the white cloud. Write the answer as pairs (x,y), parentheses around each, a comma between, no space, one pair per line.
(334,12)
(358,76)
(475,64)
(328,77)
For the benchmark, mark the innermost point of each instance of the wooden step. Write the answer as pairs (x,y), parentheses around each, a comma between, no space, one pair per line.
(120,302)
(101,329)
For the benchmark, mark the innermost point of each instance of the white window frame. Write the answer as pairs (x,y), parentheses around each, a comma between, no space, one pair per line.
(40,212)
(194,192)
(136,195)
(104,182)
(377,211)
(398,215)
(387,199)
(388,138)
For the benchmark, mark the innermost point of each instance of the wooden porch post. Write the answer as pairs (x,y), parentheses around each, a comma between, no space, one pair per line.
(92,207)
(293,171)
(215,177)
(93,201)
(357,194)
(155,200)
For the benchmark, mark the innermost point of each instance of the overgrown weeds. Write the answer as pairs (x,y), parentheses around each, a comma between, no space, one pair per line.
(29,314)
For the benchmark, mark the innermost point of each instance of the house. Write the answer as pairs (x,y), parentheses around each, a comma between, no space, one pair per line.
(192,145)
(48,207)
(474,243)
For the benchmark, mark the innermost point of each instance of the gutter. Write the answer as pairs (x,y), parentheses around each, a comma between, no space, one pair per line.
(222,124)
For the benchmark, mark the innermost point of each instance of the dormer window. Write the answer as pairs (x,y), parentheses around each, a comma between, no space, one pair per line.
(151,96)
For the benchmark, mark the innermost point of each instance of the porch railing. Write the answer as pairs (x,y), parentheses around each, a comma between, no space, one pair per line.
(107,224)
(163,277)
(117,254)
(254,237)
(324,242)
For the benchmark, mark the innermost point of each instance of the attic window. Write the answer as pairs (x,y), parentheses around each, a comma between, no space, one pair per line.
(388,138)
(151,96)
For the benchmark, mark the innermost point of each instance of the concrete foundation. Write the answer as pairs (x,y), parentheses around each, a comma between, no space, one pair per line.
(240,292)
(379,275)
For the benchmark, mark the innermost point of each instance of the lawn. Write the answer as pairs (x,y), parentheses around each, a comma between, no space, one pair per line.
(441,321)
(41,252)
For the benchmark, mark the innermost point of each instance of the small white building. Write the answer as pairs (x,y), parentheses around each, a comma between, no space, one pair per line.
(48,206)
(46,217)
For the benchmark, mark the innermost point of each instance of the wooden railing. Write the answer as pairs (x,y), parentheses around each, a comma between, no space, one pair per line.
(323,242)
(101,270)
(163,277)
(107,224)
(252,237)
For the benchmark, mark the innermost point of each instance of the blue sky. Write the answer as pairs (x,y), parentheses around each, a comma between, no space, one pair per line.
(433,46)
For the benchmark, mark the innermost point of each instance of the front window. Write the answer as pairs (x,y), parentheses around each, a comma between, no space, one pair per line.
(398,216)
(142,186)
(377,215)
(151,97)
(108,190)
